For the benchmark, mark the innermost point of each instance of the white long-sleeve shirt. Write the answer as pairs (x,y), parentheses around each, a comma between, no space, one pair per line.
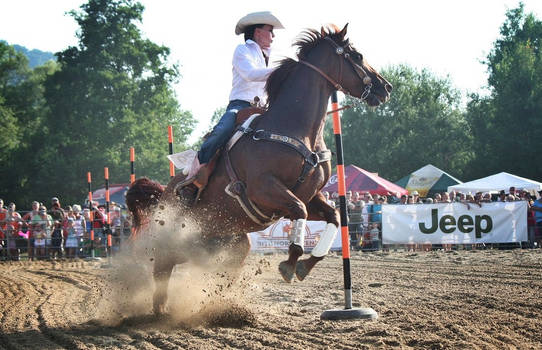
(249,73)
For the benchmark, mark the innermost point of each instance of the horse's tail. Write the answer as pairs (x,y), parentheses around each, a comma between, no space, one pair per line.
(141,195)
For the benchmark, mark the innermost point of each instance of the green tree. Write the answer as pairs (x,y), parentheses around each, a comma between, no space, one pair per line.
(13,71)
(22,110)
(508,123)
(422,123)
(113,91)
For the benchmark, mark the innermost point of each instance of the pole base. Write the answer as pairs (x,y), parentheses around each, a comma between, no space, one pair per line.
(349,314)
(92,258)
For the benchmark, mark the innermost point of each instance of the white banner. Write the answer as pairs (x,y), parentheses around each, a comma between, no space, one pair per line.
(455,223)
(275,237)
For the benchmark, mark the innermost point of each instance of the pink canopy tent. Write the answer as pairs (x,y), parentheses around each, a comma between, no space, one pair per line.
(361,180)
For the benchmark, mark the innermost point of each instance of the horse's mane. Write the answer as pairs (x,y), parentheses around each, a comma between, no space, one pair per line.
(306,41)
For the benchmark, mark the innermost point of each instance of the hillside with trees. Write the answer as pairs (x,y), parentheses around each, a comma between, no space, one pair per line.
(35,57)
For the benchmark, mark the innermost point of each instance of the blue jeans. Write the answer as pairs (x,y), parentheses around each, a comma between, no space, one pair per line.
(221,132)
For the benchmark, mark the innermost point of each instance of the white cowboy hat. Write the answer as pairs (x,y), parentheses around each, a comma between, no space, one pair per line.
(264,17)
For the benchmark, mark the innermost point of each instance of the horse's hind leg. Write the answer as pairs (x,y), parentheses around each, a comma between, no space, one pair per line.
(237,252)
(319,209)
(271,193)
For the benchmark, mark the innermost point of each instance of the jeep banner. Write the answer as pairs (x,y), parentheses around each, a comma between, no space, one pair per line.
(455,223)
(275,237)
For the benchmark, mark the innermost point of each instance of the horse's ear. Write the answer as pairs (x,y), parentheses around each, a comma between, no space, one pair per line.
(323,31)
(343,32)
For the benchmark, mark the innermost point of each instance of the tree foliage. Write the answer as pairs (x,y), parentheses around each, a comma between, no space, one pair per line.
(22,115)
(113,92)
(507,124)
(422,123)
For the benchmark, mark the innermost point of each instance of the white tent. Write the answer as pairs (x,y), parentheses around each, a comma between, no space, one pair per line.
(497,182)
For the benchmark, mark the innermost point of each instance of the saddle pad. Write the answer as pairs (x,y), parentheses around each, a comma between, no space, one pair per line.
(183,160)
(237,135)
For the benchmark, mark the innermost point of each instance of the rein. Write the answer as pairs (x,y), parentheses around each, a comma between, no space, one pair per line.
(363,76)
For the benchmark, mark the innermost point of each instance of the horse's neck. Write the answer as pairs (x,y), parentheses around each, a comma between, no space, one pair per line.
(300,107)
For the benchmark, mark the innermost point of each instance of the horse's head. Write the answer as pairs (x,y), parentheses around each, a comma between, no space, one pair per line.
(345,68)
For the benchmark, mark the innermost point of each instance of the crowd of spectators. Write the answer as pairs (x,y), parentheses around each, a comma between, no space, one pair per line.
(64,232)
(365,210)
(59,232)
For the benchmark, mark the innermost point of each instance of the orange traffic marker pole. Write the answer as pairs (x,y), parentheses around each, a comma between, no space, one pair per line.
(132,170)
(170,141)
(348,312)
(108,221)
(90,214)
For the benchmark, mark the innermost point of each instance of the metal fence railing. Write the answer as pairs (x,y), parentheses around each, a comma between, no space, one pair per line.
(31,236)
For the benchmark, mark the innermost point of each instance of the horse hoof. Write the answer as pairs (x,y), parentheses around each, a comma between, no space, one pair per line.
(286,271)
(301,270)
(159,310)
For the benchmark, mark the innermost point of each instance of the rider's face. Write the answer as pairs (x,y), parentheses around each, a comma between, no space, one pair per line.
(264,36)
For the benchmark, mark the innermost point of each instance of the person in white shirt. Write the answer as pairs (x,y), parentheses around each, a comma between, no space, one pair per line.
(250,72)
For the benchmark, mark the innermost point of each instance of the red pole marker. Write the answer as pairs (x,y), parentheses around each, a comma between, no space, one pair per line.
(108,222)
(91,213)
(348,312)
(170,141)
(132,159)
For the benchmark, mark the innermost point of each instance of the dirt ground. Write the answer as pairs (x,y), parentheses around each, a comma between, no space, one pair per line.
(486,299)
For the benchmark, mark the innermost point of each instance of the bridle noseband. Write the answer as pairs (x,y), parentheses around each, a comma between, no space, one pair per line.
(362,74)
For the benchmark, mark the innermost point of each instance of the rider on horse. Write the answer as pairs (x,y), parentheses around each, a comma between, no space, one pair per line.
(250,72)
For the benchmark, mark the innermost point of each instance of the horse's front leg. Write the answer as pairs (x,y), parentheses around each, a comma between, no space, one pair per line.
(163,267)
(319,209)
(273,194)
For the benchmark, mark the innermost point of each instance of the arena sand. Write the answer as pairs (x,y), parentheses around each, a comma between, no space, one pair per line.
(486,299)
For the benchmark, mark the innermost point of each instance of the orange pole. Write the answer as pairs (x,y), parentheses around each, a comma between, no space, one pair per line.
(170,141)
(132,159)
(345,235)
(91,213)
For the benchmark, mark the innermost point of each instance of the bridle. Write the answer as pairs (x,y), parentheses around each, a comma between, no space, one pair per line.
(362,74)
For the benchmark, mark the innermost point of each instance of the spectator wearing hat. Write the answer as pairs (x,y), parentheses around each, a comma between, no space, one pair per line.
(250,72)
(416,196)
(57,213)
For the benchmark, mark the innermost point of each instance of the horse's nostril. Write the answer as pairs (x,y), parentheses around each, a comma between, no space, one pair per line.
(389,87)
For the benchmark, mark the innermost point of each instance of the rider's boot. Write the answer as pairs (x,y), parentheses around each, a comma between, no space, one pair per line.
(195,182)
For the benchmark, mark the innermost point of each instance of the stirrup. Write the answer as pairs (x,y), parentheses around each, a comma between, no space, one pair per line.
(188,194)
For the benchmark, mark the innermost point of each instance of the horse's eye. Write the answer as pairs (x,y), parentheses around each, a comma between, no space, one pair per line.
(358,56)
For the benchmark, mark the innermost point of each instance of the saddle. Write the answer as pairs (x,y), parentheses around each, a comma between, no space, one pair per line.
(190,189)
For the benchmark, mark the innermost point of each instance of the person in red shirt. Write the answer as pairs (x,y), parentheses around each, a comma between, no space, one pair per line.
(13,222)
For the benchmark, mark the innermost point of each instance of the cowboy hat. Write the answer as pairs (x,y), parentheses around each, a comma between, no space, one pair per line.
(264,17)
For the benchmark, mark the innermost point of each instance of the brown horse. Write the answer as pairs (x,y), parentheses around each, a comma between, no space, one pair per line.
(281,167)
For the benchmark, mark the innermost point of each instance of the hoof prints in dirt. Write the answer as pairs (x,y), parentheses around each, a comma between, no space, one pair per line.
(230,317)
